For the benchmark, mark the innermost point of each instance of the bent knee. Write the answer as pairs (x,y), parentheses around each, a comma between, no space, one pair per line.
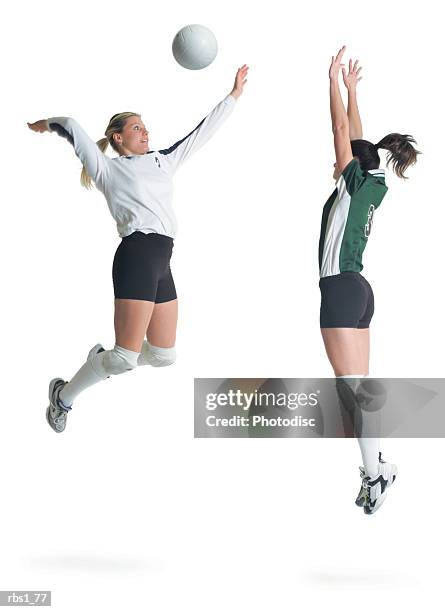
(119,360)
(159,357)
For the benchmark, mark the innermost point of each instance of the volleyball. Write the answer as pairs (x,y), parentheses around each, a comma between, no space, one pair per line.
(194,47)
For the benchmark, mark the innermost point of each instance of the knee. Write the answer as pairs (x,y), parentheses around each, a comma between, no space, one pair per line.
(116,361)
(157,356)
(372,394)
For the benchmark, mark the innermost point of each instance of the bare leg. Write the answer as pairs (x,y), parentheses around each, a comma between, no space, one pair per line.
(161,330)
(363,346)
(364,343)
(348,351)
(344,350)
(159,348)
(131,319)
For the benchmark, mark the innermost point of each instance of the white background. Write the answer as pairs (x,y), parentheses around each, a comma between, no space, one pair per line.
(125,510)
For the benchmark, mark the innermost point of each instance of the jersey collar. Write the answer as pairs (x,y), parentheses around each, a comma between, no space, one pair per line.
(137,154)
(377,171)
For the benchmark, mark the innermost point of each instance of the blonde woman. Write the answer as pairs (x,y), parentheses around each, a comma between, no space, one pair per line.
(137,185)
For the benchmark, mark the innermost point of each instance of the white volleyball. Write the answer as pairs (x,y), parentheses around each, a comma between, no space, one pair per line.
(194,47)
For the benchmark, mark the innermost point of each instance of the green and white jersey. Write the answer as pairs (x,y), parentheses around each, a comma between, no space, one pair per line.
(347,219)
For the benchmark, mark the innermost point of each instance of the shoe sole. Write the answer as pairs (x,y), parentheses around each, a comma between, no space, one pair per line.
(49,421)
(378,503)
(52,384)
(360,502)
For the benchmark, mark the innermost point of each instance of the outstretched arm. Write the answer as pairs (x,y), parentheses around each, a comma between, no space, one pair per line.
(181,150)
(340,122)
(95,162)
(350,80)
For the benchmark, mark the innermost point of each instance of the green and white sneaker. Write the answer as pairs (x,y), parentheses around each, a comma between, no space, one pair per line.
(361,497)
(373,490)
(57,412)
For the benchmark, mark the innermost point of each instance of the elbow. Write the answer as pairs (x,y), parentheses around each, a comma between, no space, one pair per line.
(62,130)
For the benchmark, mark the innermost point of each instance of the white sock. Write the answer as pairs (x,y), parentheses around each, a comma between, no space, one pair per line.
(142,359)
(369,447)
(370,455)
(88,376)
(84,378)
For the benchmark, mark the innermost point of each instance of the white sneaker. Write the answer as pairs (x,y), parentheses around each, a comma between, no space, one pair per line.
(376,488)
(57,412)
(361,497)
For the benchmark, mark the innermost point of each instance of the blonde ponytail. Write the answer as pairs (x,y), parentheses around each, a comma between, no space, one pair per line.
(85,179)
(115,126)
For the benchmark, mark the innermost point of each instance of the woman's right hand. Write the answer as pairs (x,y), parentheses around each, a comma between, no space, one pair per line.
(350,80)
(336,64)
(39,126)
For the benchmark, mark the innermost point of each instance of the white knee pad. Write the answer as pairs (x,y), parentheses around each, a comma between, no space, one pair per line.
(114,361)
(156,356)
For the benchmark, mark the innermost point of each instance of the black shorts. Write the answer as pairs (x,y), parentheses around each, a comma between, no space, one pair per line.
(347,300)
(141,268)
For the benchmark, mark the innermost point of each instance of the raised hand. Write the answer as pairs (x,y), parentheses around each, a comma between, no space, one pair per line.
(39,126)
(351,79)
(336,64)
(240,81)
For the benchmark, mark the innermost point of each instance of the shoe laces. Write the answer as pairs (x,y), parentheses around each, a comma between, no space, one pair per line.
(60,419)
(365,485)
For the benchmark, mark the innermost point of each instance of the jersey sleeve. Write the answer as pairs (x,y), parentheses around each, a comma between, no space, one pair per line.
(95,162)
(354,176)
(181,150)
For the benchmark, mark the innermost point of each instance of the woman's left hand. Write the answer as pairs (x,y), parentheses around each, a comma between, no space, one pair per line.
(240,81)
(351,79)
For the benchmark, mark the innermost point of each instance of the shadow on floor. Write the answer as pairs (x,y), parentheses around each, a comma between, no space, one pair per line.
(90,562)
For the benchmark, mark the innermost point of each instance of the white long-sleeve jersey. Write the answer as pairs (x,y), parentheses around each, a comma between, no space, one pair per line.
(139,188)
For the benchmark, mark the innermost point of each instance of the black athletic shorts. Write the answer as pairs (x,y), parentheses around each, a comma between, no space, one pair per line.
(141,268)
(347,300)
